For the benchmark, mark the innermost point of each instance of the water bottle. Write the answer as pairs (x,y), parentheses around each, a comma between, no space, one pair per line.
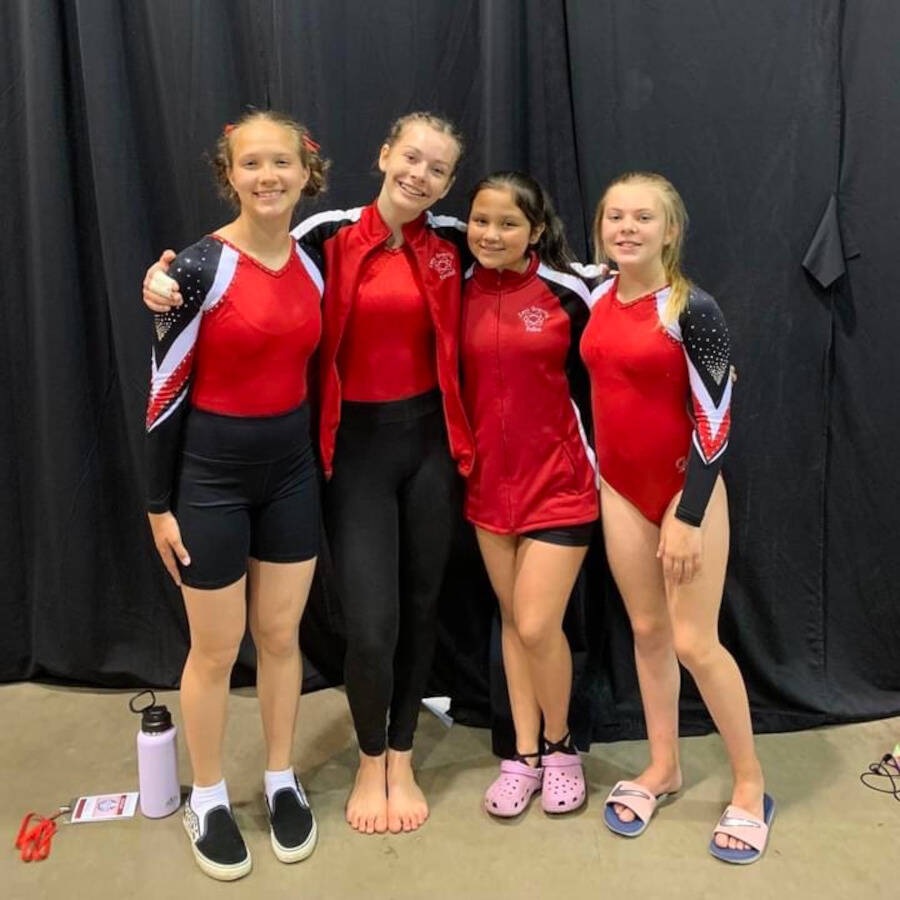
(157,758)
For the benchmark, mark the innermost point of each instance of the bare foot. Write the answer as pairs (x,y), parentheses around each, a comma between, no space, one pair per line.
(367,803)
(747,794)
(407,808)
(658,780)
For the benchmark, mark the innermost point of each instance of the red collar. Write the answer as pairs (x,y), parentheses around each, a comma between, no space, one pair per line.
(507,279)
(375,230)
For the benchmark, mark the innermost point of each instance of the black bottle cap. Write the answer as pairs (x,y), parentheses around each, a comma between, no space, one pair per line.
(154,719)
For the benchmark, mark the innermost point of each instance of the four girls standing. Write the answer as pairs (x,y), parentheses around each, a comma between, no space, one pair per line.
(393,414)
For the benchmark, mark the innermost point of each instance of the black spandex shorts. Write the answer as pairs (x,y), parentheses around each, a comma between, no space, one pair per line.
(565,535)
(247,486)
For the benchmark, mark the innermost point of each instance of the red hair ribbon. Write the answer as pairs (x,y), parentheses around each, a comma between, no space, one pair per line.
(309,143)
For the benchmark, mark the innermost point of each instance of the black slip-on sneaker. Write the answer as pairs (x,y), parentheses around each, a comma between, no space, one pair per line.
(292,825)
(220,850)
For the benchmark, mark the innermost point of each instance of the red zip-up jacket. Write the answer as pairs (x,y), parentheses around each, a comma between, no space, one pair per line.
(527,395)
(339,242)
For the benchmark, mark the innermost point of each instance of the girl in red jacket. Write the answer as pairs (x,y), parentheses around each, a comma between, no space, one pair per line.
(391,423)
(531,494)
(657,350)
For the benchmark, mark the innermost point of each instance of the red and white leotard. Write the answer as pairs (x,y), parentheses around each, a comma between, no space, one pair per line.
(661,398)
(239,345)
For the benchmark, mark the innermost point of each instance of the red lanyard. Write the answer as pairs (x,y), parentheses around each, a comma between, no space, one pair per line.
(33,842)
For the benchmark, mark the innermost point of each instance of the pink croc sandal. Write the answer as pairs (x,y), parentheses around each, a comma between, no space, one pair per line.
(511,792)
(563,788)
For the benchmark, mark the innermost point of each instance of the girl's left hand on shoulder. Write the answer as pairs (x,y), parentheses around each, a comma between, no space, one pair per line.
(680,549)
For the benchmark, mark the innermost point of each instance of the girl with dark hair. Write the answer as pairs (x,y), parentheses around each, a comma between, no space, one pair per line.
(391,423)
(231,475)
(531,494)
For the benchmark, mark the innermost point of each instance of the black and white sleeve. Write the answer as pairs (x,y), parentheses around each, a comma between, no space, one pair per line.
(707,350)
(171,363)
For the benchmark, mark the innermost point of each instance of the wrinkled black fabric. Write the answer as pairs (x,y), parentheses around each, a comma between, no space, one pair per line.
(760,113)
(824,258)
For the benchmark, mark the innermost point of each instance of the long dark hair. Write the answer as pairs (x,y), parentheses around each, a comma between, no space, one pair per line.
(529,195)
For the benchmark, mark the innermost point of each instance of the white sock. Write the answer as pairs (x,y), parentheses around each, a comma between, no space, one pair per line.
(203,799)
(276,781)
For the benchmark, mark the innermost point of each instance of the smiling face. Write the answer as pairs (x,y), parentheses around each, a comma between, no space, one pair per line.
(418,170)
(266,171)
(498,232)
(634,227)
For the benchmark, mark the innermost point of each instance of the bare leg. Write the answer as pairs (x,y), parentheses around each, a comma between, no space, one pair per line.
(499,554)
(631,543)
(407,807)
(367,804)
(217,620)
(545,574)
(278,593)
(694,609)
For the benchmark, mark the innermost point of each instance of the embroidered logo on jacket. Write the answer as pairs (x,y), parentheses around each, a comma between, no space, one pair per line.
(442,263)
(533,318)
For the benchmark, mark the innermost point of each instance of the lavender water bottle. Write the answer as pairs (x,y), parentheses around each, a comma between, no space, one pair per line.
(157,759)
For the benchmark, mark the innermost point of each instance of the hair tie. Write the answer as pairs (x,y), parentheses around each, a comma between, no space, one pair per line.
(309,143)
(229,127)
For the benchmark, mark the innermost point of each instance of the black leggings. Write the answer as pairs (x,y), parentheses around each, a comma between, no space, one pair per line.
(390,510)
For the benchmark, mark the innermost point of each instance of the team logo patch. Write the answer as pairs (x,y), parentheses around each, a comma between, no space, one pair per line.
(442,263)
(533,318)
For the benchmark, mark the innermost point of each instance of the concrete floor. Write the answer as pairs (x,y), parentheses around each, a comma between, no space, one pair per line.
(832,837)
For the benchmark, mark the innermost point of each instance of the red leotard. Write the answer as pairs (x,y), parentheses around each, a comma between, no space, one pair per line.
(661,399)
(238,346)
(252,350)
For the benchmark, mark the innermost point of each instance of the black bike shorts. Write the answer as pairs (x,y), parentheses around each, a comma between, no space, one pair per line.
(247,487)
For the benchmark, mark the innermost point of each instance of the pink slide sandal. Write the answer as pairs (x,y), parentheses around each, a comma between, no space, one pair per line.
(742,825)
(639,800)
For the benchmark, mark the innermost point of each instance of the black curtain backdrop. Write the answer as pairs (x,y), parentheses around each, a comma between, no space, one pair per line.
(780,124)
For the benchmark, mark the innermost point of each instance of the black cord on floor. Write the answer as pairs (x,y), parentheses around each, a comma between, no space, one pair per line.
(883,773)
